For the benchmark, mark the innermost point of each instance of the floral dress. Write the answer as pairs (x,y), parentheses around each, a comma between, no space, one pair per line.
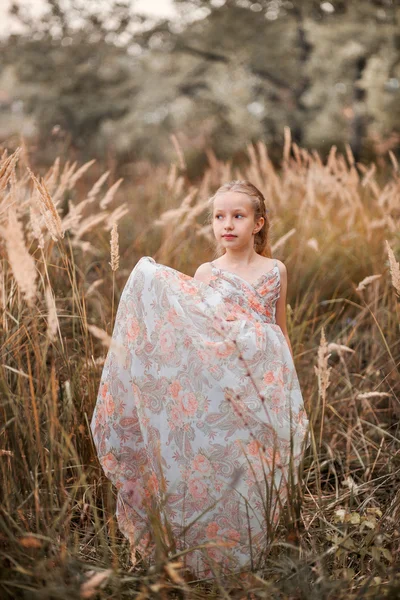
(199,418)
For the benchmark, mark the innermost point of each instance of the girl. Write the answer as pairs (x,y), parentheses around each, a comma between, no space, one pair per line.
(199,420)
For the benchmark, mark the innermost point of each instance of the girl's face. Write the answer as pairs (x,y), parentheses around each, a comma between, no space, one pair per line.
(233,220)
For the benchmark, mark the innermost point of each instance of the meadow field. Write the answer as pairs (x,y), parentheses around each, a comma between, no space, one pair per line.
(69,237)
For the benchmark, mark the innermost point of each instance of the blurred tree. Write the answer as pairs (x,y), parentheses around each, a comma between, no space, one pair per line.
(73,67)
(224,73)
(249,68)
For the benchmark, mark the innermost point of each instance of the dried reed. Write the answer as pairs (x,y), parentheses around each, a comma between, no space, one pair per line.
(322,371)
(114,248)
(394,268)
(330,222)
(48,209)
(52,319)
(21,261)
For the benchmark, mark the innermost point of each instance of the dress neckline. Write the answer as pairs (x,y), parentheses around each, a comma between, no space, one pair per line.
(254,284)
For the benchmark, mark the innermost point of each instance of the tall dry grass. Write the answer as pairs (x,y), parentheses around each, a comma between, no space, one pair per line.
(65,256)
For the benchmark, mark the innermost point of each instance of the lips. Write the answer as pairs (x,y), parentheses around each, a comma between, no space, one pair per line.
(229,236)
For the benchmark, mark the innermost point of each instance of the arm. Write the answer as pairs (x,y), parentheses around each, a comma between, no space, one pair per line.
(203,273)
(281,305)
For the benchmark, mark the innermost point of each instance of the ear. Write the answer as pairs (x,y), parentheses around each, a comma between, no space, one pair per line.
(259,225)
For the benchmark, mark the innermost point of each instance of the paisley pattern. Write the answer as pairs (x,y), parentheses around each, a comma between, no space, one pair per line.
(199,414)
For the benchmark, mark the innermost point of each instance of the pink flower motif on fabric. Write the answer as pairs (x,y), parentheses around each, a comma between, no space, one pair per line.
(231,537)
(202,465)
(133,330)
(254,448)
(162,422)
(212,530)
(269,377)
(109,463)
(187,288)
(188,403)
(174,319)
(197,488)
(110,405)
(175,419)
(277,399)
(204,356)
(225,349)
(167,340)
(175,388)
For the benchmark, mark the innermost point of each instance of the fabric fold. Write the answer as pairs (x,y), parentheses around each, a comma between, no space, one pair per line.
(199,413)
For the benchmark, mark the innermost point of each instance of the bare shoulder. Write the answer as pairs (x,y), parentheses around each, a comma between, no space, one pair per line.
(279,263)
(283,278)
(281,266)
(203,272)
(282,275)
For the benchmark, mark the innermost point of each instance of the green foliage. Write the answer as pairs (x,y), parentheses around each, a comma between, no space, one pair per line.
(72,71)
(225,73)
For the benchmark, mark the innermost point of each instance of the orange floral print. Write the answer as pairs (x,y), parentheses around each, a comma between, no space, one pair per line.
(269,377)
(179,424)
(212,530)
(202,464)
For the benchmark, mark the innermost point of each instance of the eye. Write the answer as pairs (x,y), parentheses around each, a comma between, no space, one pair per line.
(218,216)
(238,215)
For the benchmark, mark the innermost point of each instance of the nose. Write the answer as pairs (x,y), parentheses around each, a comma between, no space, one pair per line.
(228,224)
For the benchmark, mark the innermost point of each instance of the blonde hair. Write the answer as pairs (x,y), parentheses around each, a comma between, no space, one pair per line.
(261,240)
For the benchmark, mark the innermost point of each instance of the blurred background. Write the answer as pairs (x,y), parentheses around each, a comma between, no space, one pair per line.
(172,99)
(119,77)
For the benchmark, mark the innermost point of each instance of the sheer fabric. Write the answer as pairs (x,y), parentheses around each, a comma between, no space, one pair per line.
(199,415)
